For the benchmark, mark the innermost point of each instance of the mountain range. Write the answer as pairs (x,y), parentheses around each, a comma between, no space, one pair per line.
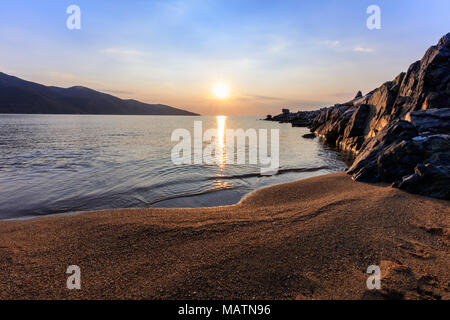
(21,96)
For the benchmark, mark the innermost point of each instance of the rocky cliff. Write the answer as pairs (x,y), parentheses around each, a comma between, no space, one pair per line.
(399,132)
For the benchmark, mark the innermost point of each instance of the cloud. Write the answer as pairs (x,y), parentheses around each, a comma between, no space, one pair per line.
(176,8)
(331,43)
(62,75)
(67,78)
(117,91)
(294,104)
(362,49)
(121,52)
(258,97)
(278,45)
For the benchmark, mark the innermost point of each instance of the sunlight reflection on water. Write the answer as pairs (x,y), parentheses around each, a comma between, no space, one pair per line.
(60,163)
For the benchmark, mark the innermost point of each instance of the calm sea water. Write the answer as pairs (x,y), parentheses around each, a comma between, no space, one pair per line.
(64,163)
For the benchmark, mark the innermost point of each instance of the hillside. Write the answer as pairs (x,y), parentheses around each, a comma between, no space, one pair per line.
(20,96)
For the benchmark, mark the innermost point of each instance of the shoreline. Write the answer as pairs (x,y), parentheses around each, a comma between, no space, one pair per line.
(207,199)
(308,239)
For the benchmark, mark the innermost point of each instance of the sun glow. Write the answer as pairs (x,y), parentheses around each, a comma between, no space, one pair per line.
(221,91)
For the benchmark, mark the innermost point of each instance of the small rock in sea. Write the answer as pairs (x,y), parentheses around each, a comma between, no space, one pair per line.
(309,136)
(359,95)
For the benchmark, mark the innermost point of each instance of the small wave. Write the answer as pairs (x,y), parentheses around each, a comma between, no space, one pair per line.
(280,171)
(193,194)
(230,177)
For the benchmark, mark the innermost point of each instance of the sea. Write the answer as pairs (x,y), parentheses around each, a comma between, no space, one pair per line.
(53,164)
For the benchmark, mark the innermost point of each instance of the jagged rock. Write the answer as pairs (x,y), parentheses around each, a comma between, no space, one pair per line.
(426,84)
(309,136)
(430,121)
(414,154)
(358,122)
(335,122)
(352,144)
(301,122)
(428,179)
(298,119)
(432,177)
(366,166)
(418,166)
(399,160)
(381,103)
(437,144)
(356,101)
(353,137)
(399,131)
(363,100)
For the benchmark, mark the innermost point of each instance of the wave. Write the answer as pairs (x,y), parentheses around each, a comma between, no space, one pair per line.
(193,194)
(229,177)
(280,172)
(234,176)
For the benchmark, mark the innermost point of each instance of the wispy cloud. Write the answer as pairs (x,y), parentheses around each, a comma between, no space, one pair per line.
(62,75)
(177,8)
(121,52)
(281,102)
(67,78)
(362,49)
(278,45)
(117,91)
(260,97)
(331,43)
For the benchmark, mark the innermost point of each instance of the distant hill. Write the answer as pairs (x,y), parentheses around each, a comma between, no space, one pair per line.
(20,96)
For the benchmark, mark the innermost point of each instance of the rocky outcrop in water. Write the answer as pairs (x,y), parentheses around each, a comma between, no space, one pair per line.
(297,119)
(399,132)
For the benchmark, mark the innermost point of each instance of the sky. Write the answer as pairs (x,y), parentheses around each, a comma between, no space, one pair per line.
(272,54)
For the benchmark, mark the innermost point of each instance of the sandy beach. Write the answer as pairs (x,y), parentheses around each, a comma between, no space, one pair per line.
(310,239)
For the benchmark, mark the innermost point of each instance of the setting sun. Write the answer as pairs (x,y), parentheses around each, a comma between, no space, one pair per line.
(221,91)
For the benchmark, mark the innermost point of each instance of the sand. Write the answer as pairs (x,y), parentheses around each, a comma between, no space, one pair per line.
(311,239)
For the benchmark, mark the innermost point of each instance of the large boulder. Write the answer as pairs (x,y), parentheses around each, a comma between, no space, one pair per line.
(432,176)
(417,164)
(366,166)
(431,120)
(334,123)
(431,179)
(426,84)
(382,103)
(358,122)
(309,136)
(399,160)
(399,132)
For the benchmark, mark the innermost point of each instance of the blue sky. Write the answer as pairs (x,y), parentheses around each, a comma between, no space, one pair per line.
(272,54)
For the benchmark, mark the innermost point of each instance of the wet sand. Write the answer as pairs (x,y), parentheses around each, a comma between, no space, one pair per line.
(310,239)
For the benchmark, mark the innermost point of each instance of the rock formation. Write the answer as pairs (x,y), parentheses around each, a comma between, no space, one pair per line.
(399,132)
(298,119)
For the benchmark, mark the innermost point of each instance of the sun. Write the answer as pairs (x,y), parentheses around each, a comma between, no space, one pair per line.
(221,91)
